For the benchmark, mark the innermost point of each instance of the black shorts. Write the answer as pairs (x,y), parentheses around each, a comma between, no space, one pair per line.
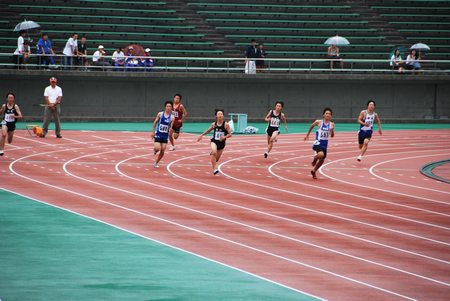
(161,140)
(320,148)
(271,130)
(177,128)
(220,144)
(362,135)
(10,125)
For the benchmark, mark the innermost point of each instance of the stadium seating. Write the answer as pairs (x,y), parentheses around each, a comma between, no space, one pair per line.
(224,29)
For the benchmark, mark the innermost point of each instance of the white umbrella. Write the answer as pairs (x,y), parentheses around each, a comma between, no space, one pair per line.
(26,25)
(337,40)
(420,47)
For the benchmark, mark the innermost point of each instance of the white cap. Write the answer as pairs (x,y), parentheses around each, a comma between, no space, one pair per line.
(100,47)
(147,50)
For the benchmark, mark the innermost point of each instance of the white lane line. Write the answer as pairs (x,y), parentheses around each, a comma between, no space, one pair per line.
(103,138)
(369,187)
(166,244)
(371,170)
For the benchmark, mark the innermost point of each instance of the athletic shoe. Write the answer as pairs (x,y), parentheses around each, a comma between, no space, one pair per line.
(156,165)
(42,136)
(313,173)
(1,153)
(215,171)
(58,136)
(359,158)
(265,155)
(172,148)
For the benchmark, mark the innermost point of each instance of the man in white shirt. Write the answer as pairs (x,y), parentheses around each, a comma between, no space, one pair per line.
(71,49)
(97,58)
(52,95)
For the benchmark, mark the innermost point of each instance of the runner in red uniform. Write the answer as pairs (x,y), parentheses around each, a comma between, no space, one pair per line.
(180,113)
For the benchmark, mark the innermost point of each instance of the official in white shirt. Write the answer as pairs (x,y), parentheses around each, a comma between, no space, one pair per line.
(53,96)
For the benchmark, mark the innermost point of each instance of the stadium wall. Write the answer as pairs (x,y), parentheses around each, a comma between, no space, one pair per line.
(139,96)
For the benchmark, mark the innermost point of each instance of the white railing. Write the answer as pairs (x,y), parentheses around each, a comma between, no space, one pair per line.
(228,65)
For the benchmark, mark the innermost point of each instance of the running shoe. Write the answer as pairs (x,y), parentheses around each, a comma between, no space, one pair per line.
(215,171)
(313,173)
(172,148)
(156,165)
(265,155)
(359,158)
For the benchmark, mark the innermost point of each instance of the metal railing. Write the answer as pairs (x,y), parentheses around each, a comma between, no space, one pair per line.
(221,65)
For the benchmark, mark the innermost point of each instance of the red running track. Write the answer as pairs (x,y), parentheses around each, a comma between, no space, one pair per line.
(377,229)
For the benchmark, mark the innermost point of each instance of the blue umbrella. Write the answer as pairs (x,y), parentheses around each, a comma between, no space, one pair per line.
(26,25)
(337,40)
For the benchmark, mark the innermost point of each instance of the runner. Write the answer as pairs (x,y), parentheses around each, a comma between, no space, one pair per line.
(180,114)
(160,132)
(10,112)
(274,118)
(366,119)
(222,131)
(325,129)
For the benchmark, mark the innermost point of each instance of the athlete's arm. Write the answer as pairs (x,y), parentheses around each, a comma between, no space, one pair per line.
(268,116)
(19,113)
(185,113)
(152,134)
(361,117)
(230,132)
(379,124)
(2,110)
(332,129)
(284,121)
(205,132)
(310,129)
(172,119)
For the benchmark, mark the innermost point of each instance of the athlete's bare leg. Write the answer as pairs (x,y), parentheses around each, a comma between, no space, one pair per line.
(317,163)
(10,137)
(162,149)
(171,132)
(270,141)
(363,148)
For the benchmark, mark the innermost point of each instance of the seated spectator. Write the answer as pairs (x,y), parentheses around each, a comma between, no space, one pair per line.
(118,59)
(261,53)
(412,61)
(98,59)
(333,53)
(22,53)
(131,61)
(44,48)
(397,61)
(147,62)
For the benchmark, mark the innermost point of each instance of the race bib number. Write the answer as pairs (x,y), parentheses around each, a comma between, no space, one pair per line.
(175,114)
(324,135)
(163,128)
(274,122)
(9,117)
(218,135)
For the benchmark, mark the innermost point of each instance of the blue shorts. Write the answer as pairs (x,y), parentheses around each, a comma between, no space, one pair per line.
(320,148)
(362,135)
(161,140)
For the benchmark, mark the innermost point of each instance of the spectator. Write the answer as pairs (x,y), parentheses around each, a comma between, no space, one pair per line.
(18,57)
(250,54)
(22,53)
(397,61)
(53,96)
(118,59)
(82,52)
(131,62)
(98,59)
(261,53)
(147,62)
(70,50)
(333,53)
(44,48)
(412,61)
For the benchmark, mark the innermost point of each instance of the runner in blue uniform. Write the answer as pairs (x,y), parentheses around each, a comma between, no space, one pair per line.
(325,129)
(366,119)
(274,118)
(222,131)
(160,132)
(9,113)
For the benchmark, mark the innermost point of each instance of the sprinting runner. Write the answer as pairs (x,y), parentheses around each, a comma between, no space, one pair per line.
(366,119)
(180,114)
(10,112)
(160,132)
(222,131)
(325,129)
(274,118)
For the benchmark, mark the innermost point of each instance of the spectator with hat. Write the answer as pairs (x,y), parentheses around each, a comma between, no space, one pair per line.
(98,59)
(147,62)
(131,62)
(53,96)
